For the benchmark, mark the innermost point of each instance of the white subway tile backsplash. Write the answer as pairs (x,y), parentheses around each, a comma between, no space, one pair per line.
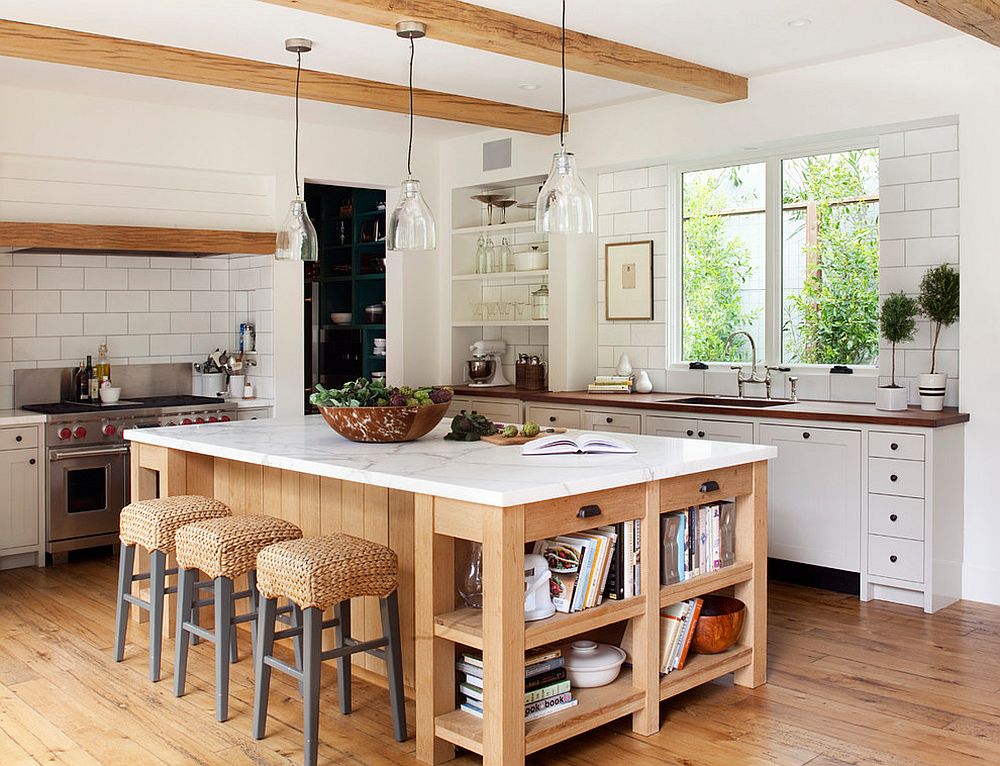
(613,334)
(944,165)
(685,381)
(944,222)
(128,345)
(218,300)
(917,362)
(631,179)
(649,198)
(83,300)
(34,349)
(648,334)
(906,278)
(892,252)
(605,183)
(631,223)
(148,279)
(615,202)
(169,262)
(222,321)
(59,324)
(933,194)
(904,170)
(85,261)
(6,349)
(890,145)
(916,223)
(891,198)
(148,323)
(35,301)
(125,300)
(128,261)
(191,321)
(658,175)
(189,279)
(105,324)
(105,279)
(220,280)
(19,277)
(931,251)
(17,325)
(719,382)
(927,140)
(853,388)
(169,300)
(79,347)
(169,345)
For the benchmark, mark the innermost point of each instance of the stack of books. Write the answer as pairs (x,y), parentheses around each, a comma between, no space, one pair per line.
(611,384)
(546,688)
(697,541)
(588,567)
(677,623)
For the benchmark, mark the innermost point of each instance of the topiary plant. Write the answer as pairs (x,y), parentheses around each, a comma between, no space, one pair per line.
(939,300)
(897,323)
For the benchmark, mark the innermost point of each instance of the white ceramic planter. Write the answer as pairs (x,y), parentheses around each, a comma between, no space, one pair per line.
(891,399)
(932,386)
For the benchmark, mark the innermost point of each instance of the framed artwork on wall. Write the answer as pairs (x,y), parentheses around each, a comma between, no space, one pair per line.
(628,280)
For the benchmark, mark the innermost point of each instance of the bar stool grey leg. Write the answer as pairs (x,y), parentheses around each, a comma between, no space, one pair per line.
(389,606)
(265,647)
(157,582)
(186,611)
(126,563)
(296,618)
(312,650)
(341,632)
(223,640)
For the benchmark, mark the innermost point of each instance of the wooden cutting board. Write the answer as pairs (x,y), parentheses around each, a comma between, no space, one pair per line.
(506,441)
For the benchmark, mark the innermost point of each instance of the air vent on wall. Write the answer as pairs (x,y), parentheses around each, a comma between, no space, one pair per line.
(496,154)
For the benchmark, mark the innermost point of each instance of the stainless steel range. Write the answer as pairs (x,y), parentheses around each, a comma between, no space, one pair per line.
(88,461)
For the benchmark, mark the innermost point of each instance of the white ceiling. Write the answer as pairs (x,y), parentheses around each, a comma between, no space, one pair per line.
(746,38)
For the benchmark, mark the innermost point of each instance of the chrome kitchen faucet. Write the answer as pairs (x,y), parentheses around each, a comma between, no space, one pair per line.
(754,377)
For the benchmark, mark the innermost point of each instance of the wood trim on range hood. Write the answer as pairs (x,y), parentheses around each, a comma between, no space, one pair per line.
(26,236)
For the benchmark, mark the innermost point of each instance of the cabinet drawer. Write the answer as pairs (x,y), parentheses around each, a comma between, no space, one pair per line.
(726,431)
(563,515)
(896,516)
(685,491)
(610,420)
(900,446)
(498,410)
(559,417)
(893,557)
(660,425)
(896,477)
(18,438)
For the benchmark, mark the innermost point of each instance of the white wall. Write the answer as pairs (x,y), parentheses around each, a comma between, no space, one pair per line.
(219,157)
(957,76)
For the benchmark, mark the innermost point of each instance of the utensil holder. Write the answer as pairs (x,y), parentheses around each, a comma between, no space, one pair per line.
(529,377)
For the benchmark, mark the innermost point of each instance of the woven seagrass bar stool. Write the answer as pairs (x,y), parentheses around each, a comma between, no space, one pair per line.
(153,524)
(316,573)
(223,549)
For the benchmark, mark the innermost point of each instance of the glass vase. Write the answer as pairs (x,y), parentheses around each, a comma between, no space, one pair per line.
(470,587)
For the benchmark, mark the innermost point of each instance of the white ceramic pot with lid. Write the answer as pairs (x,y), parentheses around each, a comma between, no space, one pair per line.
(591,664)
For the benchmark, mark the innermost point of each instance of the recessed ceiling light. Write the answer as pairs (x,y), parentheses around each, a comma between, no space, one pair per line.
(529,86)
(799,23)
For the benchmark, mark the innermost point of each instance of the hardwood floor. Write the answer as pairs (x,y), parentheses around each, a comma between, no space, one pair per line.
(848,683)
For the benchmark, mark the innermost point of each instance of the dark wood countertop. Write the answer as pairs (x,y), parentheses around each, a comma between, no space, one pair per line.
(842,412)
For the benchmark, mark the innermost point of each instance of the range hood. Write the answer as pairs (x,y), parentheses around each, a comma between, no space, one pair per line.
(74,238)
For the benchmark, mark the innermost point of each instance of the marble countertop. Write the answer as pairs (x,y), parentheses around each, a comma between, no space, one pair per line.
(476,472)
(20,418)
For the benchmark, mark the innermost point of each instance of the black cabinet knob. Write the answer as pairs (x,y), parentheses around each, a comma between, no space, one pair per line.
(701,434)
(552,418)
(31,462)
(609,420)
(893,477)
(805,434)
(893,558)
(893,517)
(894,446)
(18,438)
(690,432)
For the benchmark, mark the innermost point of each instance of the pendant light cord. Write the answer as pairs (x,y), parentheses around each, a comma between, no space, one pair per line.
(562,122)
(298,75)
(409,148)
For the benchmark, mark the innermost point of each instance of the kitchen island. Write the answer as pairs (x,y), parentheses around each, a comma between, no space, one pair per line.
(424,498)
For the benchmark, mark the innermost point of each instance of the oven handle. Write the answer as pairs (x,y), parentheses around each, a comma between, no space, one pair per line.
(55,455)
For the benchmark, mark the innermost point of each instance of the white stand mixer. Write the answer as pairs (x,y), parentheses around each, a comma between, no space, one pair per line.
(486,367)
(537,596)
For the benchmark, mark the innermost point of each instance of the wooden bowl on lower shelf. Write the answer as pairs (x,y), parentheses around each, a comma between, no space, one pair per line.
(719,625)
(384,425)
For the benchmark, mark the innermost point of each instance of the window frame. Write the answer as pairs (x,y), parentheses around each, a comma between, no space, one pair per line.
(772,159)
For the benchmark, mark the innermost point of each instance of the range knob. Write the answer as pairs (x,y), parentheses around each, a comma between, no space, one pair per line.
(171,423)
(65,433)
(213,419)
(79,432)
(199,420)
(224,418)
(186,422)
(109,430)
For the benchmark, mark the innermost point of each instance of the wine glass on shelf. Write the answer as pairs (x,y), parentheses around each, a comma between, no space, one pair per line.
(489,200)
(503,204)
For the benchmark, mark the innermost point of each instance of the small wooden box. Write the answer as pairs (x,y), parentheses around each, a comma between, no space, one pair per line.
(530,377)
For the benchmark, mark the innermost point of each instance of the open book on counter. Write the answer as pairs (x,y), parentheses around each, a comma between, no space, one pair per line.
(588,444)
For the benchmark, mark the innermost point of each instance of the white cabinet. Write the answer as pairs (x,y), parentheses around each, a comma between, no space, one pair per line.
(20,495)
(614,421)
(496,409)
(553,417)
(815,495)
(689,428)
(253,413)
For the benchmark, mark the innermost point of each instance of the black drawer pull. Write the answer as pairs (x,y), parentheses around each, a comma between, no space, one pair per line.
(690,432)
(552,418)
(893,517)
(893,477)
(31,462)
(609,420)
(894,446)
(588,512)
(701,434)
(709,486)
(893,558)
(805,434)
(19,438)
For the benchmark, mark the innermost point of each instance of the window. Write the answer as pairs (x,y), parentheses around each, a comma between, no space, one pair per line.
(794,262)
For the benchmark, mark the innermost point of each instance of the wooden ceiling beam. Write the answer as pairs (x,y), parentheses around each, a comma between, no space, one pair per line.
(66,46)
(979,18)
(474,26)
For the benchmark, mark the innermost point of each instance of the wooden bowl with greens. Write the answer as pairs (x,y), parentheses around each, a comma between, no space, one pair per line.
(369,411)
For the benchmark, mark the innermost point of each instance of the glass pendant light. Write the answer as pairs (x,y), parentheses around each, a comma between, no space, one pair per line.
(564,205)
(296,239)
(411,225)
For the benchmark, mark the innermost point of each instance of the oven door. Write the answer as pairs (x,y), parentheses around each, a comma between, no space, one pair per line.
(87,491)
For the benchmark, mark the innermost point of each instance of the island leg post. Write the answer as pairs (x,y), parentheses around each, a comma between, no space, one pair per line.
(503,636)
(646,627)
(434,593)
(751,544)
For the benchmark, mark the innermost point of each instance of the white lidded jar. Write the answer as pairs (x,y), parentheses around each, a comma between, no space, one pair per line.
(540,303)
